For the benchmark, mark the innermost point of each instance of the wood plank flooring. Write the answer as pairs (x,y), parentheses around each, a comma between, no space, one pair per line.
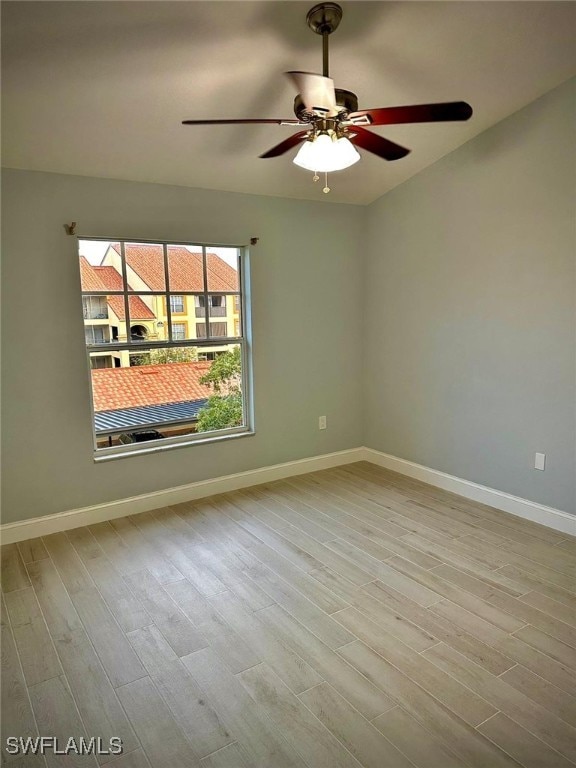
(349,618)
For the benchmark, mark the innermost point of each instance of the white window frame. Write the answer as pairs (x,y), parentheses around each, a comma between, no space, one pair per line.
(244,341)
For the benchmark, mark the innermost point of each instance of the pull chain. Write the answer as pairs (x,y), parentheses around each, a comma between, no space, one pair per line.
(316,178)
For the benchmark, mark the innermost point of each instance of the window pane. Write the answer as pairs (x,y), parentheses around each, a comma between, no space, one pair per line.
(145,267)
(222,269)
(156,393)
(185,269)
(100,266)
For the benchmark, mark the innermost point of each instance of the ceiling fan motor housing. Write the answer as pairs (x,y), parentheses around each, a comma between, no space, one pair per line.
(346,102)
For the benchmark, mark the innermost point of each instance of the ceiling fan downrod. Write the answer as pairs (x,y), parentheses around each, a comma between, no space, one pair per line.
(324,19)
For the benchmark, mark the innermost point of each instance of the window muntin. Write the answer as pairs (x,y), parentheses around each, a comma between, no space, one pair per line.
(136,330)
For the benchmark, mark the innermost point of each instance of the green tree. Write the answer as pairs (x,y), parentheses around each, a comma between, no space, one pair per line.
(224,408)
(220,412)
(225,372)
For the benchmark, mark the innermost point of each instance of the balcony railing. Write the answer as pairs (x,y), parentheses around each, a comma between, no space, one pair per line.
(91,339)
(95,314)
(214,311)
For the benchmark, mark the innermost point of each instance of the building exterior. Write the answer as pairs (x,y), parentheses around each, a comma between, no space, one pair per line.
(167,397)
(105,316)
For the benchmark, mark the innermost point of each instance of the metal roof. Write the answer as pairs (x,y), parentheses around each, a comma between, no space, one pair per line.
(147,416)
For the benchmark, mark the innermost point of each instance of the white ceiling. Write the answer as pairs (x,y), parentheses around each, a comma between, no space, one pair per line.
(100,88)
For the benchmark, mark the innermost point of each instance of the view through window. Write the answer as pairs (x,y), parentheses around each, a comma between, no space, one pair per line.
(165,341)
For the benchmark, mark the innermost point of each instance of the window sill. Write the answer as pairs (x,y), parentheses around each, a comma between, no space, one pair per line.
(165,446)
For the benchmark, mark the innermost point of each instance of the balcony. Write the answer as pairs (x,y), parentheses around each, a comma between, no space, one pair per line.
(95,314)
(214,311)
(96,338)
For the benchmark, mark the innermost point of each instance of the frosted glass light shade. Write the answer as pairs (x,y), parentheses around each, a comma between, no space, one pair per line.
(325,155)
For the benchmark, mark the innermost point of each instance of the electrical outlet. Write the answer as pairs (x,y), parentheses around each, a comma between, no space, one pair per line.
(322,422)
(540,461)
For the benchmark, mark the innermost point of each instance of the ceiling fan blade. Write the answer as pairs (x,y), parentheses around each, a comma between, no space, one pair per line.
(418,113)
(252,121)
(285,145)
(378,145)
(317,92)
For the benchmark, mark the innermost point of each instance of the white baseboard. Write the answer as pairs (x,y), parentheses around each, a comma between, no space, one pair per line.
(63,521)
(529,510)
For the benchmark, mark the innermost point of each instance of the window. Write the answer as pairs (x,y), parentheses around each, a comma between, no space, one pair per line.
(218,329)
(177,305)
(158,381)
(178,331)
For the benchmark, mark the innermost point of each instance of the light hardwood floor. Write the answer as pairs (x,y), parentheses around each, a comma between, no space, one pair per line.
(346,618)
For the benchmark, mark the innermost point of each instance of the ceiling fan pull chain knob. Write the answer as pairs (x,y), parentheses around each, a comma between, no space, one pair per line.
(326,187)
(315,177)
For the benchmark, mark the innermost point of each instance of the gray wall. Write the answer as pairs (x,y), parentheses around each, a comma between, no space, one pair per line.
(470,309)
(305,282)
(464,360)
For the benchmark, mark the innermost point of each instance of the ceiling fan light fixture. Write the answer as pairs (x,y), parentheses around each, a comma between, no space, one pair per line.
(326,154)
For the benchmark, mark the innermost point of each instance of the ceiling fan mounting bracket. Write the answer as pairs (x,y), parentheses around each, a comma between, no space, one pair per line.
(324,18)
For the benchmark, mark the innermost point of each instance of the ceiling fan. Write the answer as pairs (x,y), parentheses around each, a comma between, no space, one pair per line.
(333,124)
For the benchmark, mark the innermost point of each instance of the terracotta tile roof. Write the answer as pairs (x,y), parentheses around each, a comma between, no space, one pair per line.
(89,277)
(109,279)
(185,269)
(221,276)
(117,388)
(138,309)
